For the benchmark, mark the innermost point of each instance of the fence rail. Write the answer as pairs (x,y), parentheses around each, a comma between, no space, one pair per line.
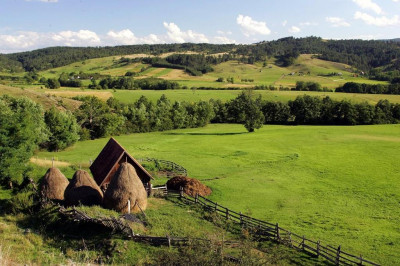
(263,230)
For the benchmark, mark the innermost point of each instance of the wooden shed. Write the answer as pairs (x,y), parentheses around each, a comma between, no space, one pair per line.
(108,162)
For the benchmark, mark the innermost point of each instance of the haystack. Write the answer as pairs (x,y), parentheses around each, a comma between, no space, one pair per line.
(53,184)
(190,186)
(83,190)
(124,186)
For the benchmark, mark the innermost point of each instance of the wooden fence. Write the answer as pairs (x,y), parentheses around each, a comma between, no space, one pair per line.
(118,225)
(166,165)
(263,230)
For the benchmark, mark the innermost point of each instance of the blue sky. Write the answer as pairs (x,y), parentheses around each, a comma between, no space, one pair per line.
(32,24)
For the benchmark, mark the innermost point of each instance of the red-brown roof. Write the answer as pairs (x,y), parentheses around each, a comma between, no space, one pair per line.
(110,156)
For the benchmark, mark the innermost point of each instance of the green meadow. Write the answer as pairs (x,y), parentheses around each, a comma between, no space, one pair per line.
(337,184)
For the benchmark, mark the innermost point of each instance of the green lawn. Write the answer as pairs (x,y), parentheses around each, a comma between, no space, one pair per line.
(337,184)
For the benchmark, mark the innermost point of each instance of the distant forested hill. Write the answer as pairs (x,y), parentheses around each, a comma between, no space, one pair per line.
(364,55)
(9,65)
(47,58)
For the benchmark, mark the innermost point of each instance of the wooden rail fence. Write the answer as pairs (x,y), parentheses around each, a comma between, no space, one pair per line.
(118,225)
(263,230)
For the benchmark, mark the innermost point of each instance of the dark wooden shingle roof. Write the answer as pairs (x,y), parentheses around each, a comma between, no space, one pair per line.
(109,157)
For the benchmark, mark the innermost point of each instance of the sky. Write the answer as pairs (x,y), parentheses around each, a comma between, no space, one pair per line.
(32,24)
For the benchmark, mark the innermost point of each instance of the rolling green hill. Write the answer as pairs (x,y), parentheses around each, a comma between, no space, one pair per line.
(306,68)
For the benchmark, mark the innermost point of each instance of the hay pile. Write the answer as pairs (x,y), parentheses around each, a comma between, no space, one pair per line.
(53,184)
(83,190)
(124,186)
(190,186)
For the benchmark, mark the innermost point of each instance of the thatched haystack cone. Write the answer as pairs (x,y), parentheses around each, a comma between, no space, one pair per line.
(126,185)
(83,190)
(53,184)
(190,186)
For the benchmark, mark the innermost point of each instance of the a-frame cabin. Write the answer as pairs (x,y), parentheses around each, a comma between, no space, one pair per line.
(108,162)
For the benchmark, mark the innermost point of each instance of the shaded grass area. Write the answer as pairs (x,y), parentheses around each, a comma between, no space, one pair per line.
(337,184)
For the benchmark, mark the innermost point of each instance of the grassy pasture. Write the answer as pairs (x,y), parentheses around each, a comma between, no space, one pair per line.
(337,184)
(39,96)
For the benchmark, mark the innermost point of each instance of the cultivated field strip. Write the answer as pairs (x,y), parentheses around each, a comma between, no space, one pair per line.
(263,230)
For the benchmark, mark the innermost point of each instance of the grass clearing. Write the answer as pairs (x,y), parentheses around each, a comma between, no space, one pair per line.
(337,184)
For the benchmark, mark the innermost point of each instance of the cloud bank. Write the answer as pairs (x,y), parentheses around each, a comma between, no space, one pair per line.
(29,40)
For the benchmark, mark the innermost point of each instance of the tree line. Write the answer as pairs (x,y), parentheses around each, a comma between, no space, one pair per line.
(352,87)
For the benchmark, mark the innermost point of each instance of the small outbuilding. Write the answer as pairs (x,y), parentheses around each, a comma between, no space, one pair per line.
(53,184)
(108,162)
(83,190)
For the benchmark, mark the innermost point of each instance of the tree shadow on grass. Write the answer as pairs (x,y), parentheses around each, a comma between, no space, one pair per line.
(207,134)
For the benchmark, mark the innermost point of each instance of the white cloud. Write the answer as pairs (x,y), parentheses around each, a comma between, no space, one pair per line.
(222,40)
(369,5)
(252,27)
(82,37)
(307,23)
(294,29)
(175,34)
(377,21)
(125,37)
(337,22)
(23,41)
(284,23)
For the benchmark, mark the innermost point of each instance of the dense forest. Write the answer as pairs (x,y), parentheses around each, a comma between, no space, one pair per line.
(376,57)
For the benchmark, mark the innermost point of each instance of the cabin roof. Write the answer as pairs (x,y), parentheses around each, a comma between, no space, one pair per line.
(111,155)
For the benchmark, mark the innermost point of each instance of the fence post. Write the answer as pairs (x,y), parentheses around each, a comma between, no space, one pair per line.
(196,198)
(338,256)
(318,247)
(290,239)
(241,218)
(180,192)
(361,260)
(227,214)
(169,240)
(303,242)
(129,206)
(278,236)
(216,206)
